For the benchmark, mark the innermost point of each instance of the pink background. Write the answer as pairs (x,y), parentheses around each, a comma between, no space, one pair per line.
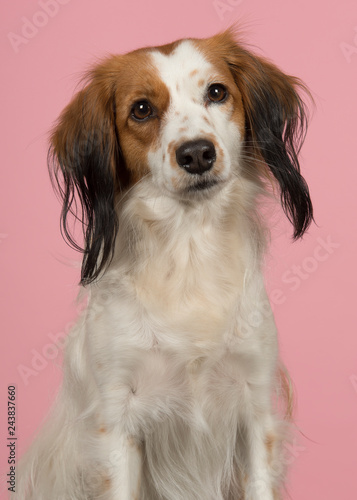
(312,288)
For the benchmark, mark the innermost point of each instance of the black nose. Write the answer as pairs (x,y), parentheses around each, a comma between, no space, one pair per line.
(196,157)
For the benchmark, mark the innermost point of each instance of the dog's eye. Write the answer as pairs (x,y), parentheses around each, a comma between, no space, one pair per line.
(217,93)
(141,110)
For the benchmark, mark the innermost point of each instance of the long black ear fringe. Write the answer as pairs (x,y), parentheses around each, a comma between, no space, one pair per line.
(80,161)
(279,142)
(276,124)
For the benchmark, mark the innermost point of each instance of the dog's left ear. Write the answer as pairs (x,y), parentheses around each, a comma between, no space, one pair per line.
(276,123)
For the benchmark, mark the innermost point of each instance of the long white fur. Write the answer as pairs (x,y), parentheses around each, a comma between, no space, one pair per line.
(169,372)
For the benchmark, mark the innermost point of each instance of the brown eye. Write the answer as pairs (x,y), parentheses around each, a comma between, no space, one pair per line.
(141,110)
(217,93)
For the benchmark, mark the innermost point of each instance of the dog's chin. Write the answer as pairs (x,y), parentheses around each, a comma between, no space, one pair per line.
(200,189)
(202,185)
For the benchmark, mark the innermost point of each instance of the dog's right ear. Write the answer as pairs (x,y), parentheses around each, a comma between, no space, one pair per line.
(84,159)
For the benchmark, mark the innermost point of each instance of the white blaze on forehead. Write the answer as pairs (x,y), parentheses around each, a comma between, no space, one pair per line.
(176,69)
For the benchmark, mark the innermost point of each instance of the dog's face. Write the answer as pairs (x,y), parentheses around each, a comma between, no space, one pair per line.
(188,117)
(181,119)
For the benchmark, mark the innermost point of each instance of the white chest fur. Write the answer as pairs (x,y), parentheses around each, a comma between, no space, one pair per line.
(171,308)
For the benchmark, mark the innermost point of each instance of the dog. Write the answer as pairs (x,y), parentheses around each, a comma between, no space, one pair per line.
(172,375)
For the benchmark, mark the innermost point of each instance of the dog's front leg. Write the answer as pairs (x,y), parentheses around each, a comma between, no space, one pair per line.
(260,483)
(125,468)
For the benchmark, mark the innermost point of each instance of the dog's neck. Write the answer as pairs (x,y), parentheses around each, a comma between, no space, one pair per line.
(195,254)
(152,224)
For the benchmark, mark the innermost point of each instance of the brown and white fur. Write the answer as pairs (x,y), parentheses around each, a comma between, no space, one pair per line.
(171,373)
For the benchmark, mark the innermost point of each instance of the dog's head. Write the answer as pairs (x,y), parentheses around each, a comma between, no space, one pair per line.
(188,117)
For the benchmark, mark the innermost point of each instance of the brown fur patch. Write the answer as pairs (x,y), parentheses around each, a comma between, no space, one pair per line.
(176,185)
(141,82)
(270,440)
(106,483)
(277,494)
(168,48)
